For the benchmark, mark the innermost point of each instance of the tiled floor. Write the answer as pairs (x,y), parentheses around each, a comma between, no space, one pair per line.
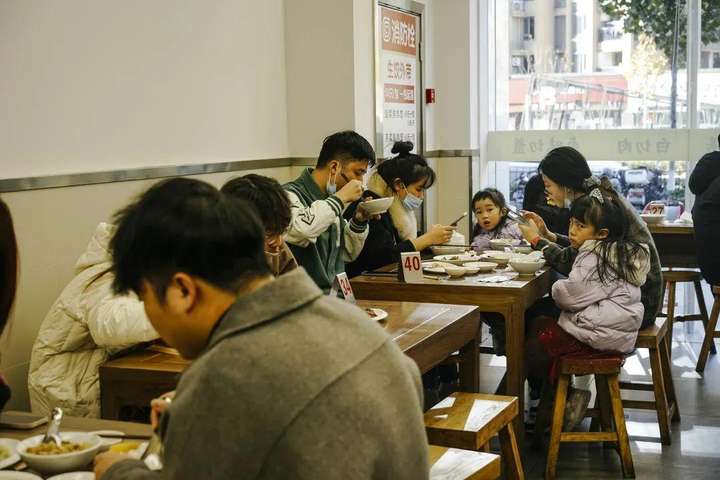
(695,450)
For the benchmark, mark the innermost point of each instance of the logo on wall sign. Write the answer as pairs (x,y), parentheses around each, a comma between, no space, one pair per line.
(387,29)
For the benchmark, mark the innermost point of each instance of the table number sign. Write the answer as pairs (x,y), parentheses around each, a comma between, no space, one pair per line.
(342,285)
(410,270)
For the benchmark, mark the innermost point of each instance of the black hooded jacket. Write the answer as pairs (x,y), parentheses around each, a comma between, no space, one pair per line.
(705,184)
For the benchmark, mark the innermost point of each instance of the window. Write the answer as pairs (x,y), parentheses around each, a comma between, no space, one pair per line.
(716,60)
(559,33)
(705,60)
(593,75)
(640,182)
(560,3)
(529,28)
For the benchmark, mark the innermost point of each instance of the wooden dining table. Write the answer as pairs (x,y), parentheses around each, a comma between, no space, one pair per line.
(428,333)
(675,244)
(510,299)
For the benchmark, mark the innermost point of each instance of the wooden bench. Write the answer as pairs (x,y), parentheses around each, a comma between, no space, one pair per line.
(708,345)
(606,371)
(469,420)
(455,464)
(657,340)
(671,277)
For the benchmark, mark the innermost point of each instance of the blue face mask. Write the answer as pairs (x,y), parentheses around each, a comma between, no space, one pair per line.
(411,202)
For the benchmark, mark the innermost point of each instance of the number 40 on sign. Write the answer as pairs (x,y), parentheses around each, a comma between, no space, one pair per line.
(410,267)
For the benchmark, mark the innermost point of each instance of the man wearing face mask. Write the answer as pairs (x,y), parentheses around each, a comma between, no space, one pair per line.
(273,206)
(319,237)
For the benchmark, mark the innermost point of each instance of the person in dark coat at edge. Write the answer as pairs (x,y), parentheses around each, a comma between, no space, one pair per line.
(705,184)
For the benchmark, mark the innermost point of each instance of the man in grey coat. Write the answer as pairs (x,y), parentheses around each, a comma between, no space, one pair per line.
(285,382)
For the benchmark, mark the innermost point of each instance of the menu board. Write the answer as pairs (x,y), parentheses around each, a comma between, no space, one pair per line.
(399,76)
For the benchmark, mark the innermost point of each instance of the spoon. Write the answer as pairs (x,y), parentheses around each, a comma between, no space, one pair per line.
(53,431)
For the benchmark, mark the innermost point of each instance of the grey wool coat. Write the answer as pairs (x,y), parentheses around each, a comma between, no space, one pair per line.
(293,384)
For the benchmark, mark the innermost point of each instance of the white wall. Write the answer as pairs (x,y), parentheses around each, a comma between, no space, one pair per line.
(91,85)
(452,71)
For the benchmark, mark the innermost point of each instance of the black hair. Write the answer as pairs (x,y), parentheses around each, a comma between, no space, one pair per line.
(185,225)
(8,264)
(496,197)
(610,214)
(567,167)
(406,166)
(347,146)
(267,196)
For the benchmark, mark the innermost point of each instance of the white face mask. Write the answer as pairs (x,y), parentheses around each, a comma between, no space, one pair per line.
(331,186)
(568,200)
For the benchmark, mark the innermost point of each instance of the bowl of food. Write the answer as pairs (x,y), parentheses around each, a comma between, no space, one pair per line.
(501,258)
(479,267)
(377,206)
(523,248)
(652,218)
(76,451)
(526,266)
(458,260)
(502,243)
(447,249)
(455,271)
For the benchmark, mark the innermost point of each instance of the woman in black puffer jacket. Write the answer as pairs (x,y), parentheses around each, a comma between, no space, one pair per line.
(705,184)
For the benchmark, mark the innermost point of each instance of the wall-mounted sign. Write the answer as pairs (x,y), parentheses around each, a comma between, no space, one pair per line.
(399,40)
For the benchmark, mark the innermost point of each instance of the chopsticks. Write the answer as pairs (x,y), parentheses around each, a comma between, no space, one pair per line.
(126,436)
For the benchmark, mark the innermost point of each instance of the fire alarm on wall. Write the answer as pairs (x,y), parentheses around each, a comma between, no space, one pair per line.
(429,95)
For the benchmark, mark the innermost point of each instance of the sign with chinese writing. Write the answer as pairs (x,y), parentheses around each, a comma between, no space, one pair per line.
(399,40)
(613,145)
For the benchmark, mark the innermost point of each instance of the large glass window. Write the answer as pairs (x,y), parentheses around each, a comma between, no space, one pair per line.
(709,73)
(640,182)
(597,64)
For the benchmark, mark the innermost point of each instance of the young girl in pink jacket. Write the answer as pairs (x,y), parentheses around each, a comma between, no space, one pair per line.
(600,299)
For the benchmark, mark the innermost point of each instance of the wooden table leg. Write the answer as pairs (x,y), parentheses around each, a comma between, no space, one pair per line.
(515,352)
(469,368)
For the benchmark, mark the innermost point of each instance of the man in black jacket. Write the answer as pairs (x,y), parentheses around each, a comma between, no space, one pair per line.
(705,184)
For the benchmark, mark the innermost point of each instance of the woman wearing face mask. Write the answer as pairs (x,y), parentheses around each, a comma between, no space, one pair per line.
(404,178)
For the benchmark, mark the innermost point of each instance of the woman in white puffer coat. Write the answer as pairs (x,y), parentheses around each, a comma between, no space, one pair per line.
(85,325)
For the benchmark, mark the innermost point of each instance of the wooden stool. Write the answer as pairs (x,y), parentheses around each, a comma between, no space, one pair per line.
(606,371)
(469,420)
(455,464)
(708,345)
(670,279)
(657,340)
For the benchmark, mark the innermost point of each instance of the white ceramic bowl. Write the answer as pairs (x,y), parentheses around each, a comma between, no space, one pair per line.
(477,267)
(455,271)
(64,462)
(457,238)
(502,243)
(526,267)
(446,250)
(652,218)
(377,206)
(501,258)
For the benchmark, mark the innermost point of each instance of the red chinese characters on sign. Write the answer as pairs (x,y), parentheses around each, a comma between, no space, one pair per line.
(399,31)
(399,93)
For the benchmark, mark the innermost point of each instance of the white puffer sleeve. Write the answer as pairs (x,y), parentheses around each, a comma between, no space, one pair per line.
(119,320)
